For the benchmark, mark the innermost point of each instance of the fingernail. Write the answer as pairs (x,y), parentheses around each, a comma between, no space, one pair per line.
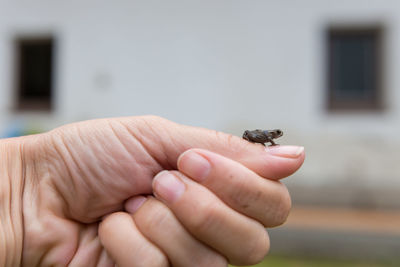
(285,151)
(194,165)
(134,203)
(168,186)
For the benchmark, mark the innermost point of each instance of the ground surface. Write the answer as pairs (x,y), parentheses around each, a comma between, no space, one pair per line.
(328,237)
(284,261)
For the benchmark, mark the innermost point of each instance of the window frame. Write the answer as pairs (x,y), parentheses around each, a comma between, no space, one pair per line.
(376,102)
(21,103)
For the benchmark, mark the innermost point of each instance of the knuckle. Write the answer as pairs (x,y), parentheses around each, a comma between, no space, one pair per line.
(153,216)
(278,205)
(235,143)
(258,250)
(272,204)
(284,207)
(207,217)
(107,225)
(244,197)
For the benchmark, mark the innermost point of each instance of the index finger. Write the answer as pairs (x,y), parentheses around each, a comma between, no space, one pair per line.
(240,188)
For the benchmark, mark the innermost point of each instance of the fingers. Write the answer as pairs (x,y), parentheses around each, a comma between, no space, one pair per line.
(153,237)
(241,239)
(109,160)
(166,140)
(265,200)
(126,245)
(159,225)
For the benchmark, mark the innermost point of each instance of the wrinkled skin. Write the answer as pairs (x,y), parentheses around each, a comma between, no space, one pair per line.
(77,174)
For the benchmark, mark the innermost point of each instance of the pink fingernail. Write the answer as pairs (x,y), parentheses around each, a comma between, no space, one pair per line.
(194,165)
(134,203)
(285,151)
(168,186)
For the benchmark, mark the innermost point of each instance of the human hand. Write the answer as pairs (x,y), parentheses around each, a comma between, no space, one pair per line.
(220,220)
(73,176)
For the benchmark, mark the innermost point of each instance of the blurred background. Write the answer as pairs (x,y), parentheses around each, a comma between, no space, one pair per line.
(325,72)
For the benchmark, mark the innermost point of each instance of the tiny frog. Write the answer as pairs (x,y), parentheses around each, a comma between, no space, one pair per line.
(262,136)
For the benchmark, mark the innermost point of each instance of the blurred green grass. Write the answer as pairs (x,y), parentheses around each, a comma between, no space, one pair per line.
(284,261)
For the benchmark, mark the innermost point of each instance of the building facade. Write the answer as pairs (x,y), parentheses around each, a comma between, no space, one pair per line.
(226,65)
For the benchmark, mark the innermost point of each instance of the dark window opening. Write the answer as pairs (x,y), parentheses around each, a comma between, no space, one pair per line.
(354,69)
(34,73)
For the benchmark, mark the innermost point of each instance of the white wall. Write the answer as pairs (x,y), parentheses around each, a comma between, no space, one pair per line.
(227,65)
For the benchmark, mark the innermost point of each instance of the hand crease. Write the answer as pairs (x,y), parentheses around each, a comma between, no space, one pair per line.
(142,144)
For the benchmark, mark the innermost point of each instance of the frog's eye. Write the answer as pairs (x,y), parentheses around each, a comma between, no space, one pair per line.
(279,132)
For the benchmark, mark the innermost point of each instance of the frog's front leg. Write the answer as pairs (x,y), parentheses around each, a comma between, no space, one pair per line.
(272,142)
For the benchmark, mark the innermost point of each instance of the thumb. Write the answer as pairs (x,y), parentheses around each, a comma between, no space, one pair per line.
(166,141)
(94,166)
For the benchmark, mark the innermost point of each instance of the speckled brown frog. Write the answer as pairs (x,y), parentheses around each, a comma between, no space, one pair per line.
(262,136)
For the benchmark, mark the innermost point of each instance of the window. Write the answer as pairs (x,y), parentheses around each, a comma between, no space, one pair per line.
(354,68)
(34,77)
